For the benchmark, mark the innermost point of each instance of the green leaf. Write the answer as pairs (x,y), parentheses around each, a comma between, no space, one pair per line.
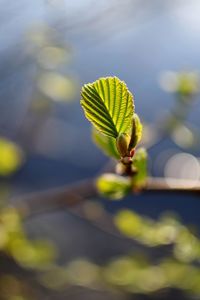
(113,186)
(108,105)
(140,164)
(11,157)
(129,223)
(136,133)
(106,143)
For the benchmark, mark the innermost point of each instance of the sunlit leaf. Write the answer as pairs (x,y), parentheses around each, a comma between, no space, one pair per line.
(108,104)
(11,157)
(136,134)
(140,164)
(113,186)
(106,143)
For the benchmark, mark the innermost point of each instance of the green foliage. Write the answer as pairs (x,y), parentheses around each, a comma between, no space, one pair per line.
(14,242)
(113,186)
(11,157)
(167,230)
(139,272)
(108,105)
(106,143)
(130,274)
(136,133)
(55,86)
(140,164)
(187,83)
(184,84)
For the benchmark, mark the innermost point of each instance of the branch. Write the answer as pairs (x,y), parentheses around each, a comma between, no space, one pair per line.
(159,184)
(55,199)
(71,195)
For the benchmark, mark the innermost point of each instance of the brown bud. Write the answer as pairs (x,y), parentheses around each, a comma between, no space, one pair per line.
(127,160)
(132,152)
(122,143)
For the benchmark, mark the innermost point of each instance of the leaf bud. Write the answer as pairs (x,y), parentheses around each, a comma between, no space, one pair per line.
(122,143)
(136,133)
(127,160)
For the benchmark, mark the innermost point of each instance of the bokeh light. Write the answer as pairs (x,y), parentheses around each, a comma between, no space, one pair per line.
(184,166)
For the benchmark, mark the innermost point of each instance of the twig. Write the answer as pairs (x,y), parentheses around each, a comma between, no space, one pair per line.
(69,196)
(173,185)
(55,199)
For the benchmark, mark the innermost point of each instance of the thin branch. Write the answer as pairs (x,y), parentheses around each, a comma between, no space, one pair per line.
(71,195)
(73,198)
(173,185)
(55,199)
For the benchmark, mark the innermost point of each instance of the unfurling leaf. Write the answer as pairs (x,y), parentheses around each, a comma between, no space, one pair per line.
(106,143)
(140,164)
(122,143)
(136,133)
(108,105)
(113,186)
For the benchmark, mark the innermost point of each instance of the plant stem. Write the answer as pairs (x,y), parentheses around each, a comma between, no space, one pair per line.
(71,195)
(172,185)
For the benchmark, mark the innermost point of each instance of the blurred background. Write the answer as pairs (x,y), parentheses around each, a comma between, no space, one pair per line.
(48,50)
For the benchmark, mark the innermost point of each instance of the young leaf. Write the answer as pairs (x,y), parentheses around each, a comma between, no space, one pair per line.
(113,186)
(106,143)
(140,163)
(122,143)
(108,105)
(136,133)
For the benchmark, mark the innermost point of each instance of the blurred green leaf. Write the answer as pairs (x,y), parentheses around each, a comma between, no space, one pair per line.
(140,164)
(106,143)
(188,83)
(113,186)
(11,157)
(108,105)
(14,242)
(129,223)
(56,86)
(82,272)
(183,83)
(50,57)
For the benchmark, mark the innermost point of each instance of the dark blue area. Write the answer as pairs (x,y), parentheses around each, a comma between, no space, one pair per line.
(154,204)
